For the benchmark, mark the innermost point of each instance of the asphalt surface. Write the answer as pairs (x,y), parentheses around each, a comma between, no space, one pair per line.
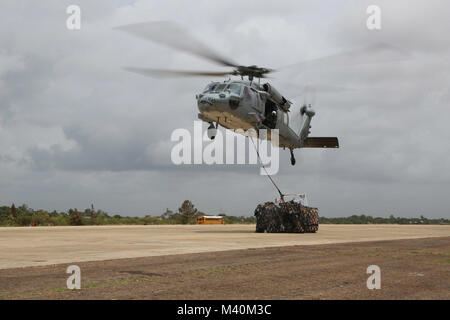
(36,246)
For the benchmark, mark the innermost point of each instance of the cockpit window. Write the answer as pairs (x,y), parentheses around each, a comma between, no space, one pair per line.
(234,88)
(218,88)
(210,87)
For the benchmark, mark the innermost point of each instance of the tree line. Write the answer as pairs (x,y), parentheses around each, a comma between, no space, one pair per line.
(186,214)
(25,216)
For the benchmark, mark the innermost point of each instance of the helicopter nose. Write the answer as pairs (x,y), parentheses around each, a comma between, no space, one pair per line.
(205,102)
(216,101)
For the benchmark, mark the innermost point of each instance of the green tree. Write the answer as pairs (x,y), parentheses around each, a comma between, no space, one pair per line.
(75,218)
(187,211)
(41,218)
(13,211)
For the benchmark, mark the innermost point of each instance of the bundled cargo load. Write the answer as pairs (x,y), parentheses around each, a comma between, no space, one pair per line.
(288,217)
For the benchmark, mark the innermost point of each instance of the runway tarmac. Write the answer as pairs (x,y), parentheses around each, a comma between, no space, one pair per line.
(35,246)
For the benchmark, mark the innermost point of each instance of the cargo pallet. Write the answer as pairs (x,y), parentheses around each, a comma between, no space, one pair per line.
(286,217)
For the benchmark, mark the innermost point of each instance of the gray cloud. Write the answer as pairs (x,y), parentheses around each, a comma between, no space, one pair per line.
(75,128)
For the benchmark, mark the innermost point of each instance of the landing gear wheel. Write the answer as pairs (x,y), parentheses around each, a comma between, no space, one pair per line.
(292,157)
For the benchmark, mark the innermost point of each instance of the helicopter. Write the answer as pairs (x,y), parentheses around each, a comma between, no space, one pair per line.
(241,103)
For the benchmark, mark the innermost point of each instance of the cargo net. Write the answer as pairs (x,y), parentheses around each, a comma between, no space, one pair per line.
(289,217)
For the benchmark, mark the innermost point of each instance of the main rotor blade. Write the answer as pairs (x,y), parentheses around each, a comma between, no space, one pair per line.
(174,73)
(376,53)
(171,35)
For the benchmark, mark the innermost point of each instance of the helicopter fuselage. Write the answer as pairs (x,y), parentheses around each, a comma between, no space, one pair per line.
(240,104)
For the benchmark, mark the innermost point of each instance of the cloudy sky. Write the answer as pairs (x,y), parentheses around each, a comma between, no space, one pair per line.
(76,129)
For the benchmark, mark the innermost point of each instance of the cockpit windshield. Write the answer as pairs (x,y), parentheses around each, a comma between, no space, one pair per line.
(214,87)
(218,88)
(234,88)
(210,87)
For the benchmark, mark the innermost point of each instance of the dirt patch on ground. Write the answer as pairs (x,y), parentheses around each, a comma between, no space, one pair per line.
(410,269)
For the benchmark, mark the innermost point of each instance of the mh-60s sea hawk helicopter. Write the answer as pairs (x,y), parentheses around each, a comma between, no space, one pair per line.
(242,104)
(238,103)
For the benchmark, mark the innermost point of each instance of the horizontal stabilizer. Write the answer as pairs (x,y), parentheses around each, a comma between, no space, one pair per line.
(322,142)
